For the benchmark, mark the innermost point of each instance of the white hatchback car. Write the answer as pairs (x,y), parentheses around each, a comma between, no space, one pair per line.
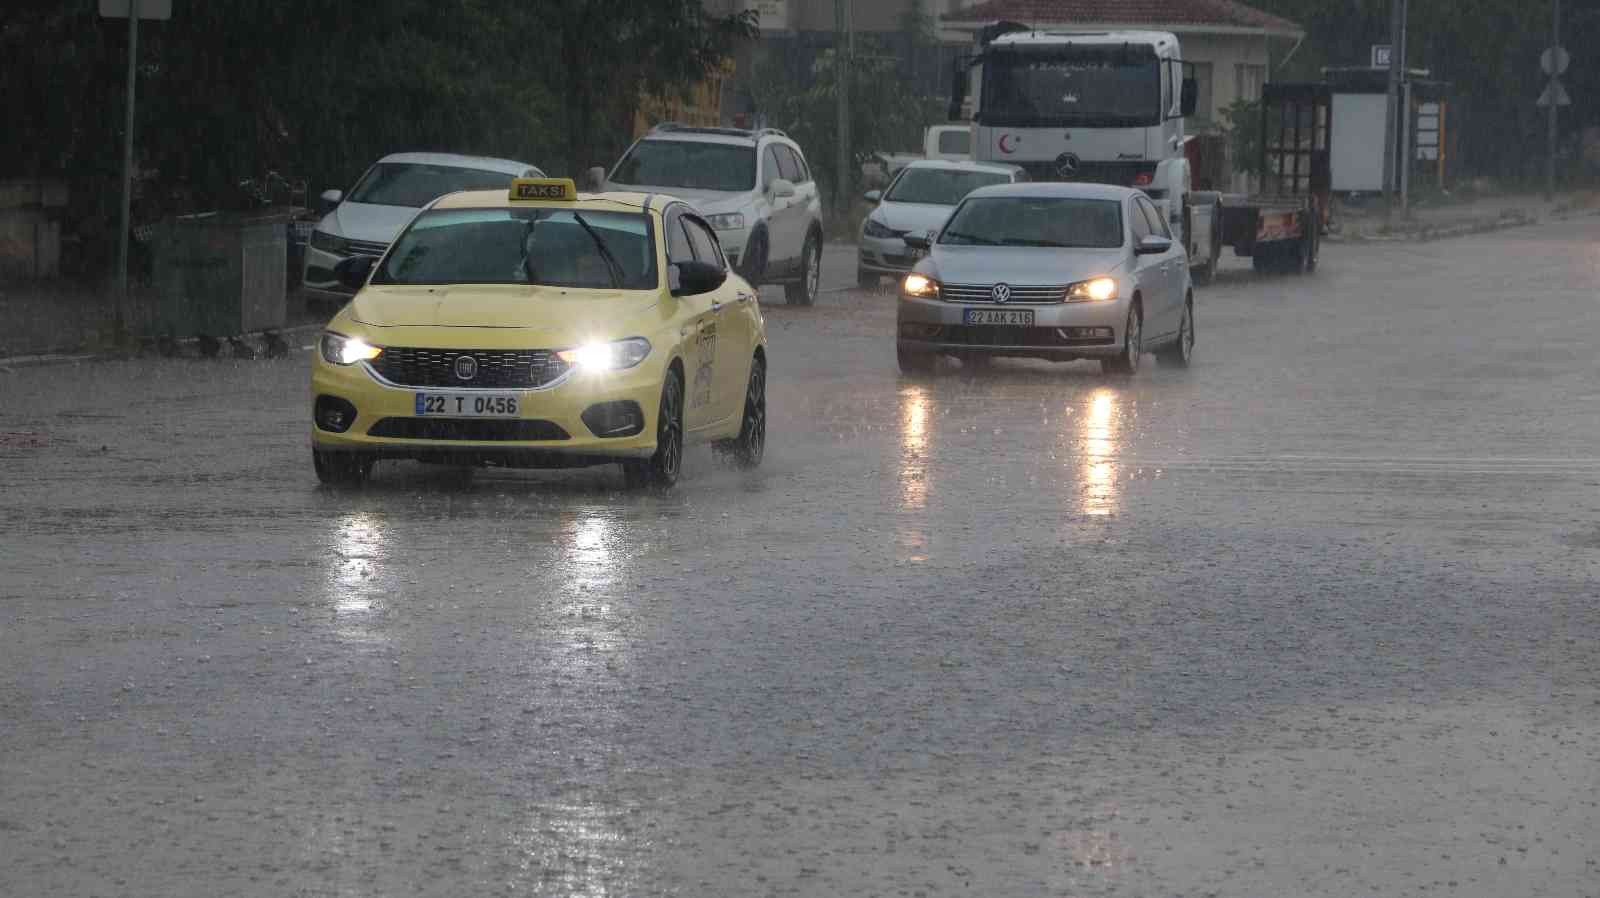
(918,201)
(754,187)
(384,201)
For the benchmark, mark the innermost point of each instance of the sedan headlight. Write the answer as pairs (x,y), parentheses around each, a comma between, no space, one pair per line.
(337,349)
(727,221)
(1097,290)
(875,228)
(328,243)
(616,356)
(920,286)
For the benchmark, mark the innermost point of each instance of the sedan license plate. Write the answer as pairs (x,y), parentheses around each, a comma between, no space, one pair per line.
(465,405)
(1022,317)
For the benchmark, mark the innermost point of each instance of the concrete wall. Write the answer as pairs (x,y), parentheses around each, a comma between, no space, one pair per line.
(30,228)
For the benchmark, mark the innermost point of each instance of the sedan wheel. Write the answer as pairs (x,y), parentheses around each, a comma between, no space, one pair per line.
(1127,361)
(1180,352)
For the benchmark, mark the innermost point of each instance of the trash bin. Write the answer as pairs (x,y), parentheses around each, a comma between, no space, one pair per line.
(220,274)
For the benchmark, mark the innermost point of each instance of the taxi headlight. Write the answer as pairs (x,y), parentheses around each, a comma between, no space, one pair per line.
(328,243)
(876,229)
(920,285)
(616,356)
(1097,290)
(727,221)
(337,349)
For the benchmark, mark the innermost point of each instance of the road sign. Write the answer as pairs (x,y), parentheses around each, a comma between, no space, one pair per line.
(160,10)
(1555,94)
(1382,55)
(1554,61)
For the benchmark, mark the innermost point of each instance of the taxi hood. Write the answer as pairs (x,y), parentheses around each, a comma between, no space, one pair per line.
(553,310)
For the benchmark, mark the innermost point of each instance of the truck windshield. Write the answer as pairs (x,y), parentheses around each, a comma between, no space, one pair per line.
(1075,87)
(552,247)
(1062,222)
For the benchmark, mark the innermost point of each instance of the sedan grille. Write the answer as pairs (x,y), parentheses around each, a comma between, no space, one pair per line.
(1023,295)
(495,369)
(366,247)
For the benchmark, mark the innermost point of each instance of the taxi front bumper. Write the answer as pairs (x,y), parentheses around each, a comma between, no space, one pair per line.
(1067,330)
(584,418)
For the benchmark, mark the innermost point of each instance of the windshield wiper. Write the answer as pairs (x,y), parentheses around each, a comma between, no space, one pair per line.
(974,238)
(618,276)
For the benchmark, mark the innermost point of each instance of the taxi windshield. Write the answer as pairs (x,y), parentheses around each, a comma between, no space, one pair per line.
(543,246)
(408,184)
(1035,221)
(689,164)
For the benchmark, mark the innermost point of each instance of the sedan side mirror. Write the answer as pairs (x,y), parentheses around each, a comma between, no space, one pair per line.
(918,241)
(354,271)
(782,189)
(597,179)
(695,278)
(1152,246)
(873,196)
(331,198)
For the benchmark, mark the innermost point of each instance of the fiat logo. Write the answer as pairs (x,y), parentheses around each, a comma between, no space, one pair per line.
(466,367)
(1001,293)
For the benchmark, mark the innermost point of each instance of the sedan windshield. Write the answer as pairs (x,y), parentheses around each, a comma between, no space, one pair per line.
(409,184)
(690,164)
(1035,221)
(940,186)
(551,247)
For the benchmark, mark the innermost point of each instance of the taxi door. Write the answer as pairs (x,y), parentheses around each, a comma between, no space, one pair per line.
(731,323)
(697,322)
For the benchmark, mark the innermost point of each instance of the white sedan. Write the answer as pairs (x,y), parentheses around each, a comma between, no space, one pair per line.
(918,201)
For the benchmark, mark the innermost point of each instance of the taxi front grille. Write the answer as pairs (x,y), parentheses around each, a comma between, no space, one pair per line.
(1020,294)
(492,369)
(468,429)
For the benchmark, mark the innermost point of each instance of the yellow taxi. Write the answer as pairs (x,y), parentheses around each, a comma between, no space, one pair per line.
(541,327)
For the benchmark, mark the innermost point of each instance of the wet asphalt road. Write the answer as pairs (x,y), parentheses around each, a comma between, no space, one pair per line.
(1316,617)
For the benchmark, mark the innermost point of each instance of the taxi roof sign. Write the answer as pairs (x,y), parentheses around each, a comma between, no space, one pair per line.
(527,189)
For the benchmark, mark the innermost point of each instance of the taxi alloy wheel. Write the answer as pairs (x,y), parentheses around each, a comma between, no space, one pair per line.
(804,291)
(661,469)
(1127,361)
(751,444)
(341,468)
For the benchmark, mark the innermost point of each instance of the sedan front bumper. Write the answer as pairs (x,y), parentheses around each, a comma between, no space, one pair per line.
(1069,330)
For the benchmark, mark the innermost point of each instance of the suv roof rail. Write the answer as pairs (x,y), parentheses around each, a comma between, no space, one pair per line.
(681,128)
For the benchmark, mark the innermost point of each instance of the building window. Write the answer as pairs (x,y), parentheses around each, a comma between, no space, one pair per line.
(1248,81)
(1205,115)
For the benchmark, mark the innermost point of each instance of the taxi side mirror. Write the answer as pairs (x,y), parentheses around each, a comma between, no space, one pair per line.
(354,271)
(696,278)
(597,179)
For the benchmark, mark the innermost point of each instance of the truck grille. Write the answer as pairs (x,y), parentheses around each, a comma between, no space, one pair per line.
(1119,173)
(496,369)
(1020,295)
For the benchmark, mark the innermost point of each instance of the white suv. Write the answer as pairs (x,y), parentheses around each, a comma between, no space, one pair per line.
(754,187)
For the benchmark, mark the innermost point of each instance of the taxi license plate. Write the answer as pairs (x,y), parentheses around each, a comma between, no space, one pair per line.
(465,405)
(1022,317)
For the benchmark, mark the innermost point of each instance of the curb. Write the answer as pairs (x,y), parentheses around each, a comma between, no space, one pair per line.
(1506,222)
(41,360)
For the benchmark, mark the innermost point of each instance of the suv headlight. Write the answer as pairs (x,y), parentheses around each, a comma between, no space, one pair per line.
(337,349)
(920,286)
(875,228)
(616,356)
(328,243)
(1097,290)
(726,221)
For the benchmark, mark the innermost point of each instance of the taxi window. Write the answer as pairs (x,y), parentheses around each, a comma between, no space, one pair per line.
(706,248)
(545,246)
(677,241)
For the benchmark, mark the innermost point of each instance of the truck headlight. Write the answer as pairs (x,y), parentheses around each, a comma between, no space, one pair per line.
(337,349)
(328,243)
(727,221)
(920,286)
(616,356)
(1097,290)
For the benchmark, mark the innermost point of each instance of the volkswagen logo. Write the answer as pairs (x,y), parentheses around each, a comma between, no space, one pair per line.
(1001,293)
(466,367)
(1067,164)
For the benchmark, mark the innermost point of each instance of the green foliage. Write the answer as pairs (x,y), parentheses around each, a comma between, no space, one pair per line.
(1241,124)
(886,113)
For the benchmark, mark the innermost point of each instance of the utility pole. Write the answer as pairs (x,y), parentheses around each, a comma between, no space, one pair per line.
(1397,16)
(1550,163)
(127,172)
(843,50)
(1405,155)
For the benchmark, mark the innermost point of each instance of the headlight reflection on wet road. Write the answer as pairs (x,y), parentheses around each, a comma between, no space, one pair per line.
(1100,447)
(359,574)
(915,410)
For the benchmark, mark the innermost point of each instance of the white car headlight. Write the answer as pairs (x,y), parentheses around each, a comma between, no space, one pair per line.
(727,221)
(616,356)
(877,229)
(1096,290)
(337,349)
(920,285)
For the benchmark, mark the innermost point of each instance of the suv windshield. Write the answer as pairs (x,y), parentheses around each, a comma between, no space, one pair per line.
(690,164)
(1035,221)
(552,247)
(1083,87)
(939,186)
(414,185)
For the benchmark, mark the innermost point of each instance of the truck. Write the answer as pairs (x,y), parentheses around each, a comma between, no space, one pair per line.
(1109,107)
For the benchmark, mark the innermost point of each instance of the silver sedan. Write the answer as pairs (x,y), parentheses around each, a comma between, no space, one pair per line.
(1051,271)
